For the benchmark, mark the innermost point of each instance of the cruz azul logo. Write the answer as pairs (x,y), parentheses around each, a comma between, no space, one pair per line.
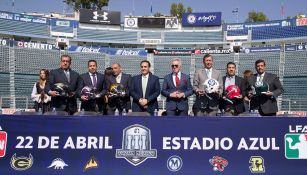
(3,141)
(136,145)
(296,142)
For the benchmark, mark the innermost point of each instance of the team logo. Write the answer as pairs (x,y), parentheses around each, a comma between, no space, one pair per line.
(92,163)
(174,163)
(130,22)
(218,163)
(296,146)
(3,142)
(136,145)
(191,19)
(104,15)
(257,164)
(57,164)
(171,23)
(21,163)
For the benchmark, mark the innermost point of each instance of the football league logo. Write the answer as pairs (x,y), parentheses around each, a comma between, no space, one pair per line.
(3,142)
(296,146)
(136,145)
(257,164)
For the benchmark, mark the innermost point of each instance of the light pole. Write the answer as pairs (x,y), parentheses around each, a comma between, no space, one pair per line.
(236,11)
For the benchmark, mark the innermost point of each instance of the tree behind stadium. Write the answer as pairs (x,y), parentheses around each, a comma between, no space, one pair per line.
(179,9)
(87,4)
(254,16)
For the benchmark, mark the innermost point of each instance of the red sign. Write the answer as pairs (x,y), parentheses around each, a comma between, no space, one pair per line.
(301,22)
(3,141)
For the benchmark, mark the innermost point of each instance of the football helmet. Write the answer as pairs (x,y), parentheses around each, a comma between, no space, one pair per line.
(261,87)
(211,86)
(117,89)
(61,88)
(232,92)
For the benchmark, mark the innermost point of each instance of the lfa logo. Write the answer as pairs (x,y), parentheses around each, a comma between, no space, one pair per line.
(296,142)
(136,145)
(257,164)
(296,146)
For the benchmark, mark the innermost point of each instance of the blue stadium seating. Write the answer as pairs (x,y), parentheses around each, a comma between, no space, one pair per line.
(107,35)
(278,32)
(192,37)
(23,28)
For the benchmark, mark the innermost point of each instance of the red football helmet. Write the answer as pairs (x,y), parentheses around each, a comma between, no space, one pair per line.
(232,92)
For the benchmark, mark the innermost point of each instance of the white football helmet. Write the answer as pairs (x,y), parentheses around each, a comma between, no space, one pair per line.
(211,86)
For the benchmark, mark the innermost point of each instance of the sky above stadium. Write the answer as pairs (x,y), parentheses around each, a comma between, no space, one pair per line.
(272,8)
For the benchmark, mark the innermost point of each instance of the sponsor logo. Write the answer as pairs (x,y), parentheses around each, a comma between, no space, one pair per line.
(256,164)
(296,146)
(136,145)
(174,163)
(127,52)
(92,163)
(57,163)
(21,163)
(191,19)
(104,16)
(3,142)
(218,163)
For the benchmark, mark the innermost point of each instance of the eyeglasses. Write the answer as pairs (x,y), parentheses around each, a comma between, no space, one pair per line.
(174,65)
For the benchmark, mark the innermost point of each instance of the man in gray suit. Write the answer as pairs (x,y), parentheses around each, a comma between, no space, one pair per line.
(94,80)
(266,103)
(205,106)
(71,79)
(177,88)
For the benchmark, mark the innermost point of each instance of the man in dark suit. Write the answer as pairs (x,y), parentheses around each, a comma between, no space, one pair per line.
(203,105)
(266,103)
(177,88)
(121,101)
(145,89)
(67,76)
(94,80)
(237,106)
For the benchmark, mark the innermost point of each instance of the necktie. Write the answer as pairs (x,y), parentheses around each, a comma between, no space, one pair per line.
(177,80)
(94,80)
(67,76)
(144,85)
(208,73)
(261,77)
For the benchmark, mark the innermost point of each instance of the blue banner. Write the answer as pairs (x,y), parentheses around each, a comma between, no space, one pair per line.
(64,23)
(24,18)
(246,26)
(109,51)
(116,145)
(201,19)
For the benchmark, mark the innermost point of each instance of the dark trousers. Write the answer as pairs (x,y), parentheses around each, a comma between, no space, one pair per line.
(176,112)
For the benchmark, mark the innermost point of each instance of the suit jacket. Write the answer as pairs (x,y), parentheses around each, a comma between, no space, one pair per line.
(238,103)
(90,104)
(114,102)
(169,87)
(68,104)
(152,93)
(200,77)
(267,104)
